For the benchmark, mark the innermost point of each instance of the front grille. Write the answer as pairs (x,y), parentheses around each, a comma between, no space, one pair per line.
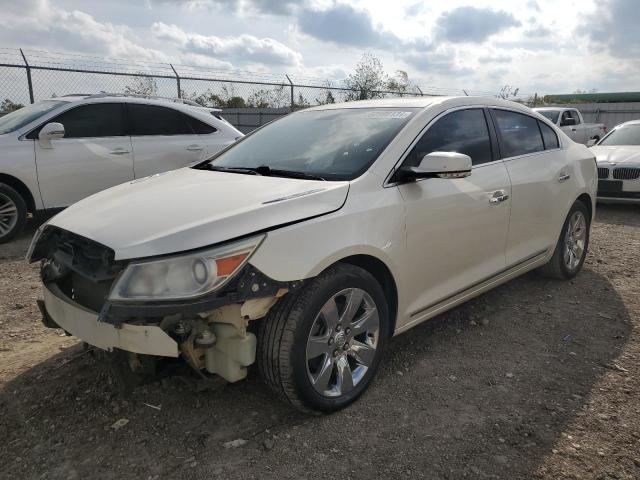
(626,173)
(603,172)
(83,269)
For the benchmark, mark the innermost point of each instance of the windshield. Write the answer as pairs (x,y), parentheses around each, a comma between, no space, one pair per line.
(336,144)
(21,117)
(550,114)
(623,135)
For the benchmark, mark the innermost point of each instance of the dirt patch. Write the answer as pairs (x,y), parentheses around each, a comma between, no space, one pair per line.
(536,379)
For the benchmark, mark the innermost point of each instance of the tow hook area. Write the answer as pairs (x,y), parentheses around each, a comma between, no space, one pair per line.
(218,341)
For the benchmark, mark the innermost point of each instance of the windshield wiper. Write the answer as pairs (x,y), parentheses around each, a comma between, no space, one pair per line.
(277,172)
(215,168)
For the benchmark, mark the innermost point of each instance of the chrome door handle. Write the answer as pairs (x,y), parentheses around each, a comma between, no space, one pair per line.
(195,148)
(564,177)
(573,129)
(119,151)
(498,197)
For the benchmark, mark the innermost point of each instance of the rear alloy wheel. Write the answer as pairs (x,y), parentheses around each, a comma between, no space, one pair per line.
(320,348)
(575,239)
(13,213)
(571,249)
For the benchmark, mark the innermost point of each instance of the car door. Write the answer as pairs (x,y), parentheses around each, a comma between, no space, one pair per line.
(538,170)
(582,134)
(568,123)
(163,139)
(94,154)
(456,228)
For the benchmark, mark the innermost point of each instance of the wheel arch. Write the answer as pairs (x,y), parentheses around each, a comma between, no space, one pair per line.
(588,202)
(383,275)
(21,188)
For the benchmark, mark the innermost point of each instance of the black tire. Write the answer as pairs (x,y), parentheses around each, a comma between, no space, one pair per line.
(557,267)
(283,335)
(8,193)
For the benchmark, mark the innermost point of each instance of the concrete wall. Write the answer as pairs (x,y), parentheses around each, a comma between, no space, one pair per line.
(248,119)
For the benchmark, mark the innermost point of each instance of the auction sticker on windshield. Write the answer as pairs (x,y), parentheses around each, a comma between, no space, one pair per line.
(386,114)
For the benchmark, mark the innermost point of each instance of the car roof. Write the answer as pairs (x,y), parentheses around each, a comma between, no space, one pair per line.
(630,122)
(117,97)
(422,103)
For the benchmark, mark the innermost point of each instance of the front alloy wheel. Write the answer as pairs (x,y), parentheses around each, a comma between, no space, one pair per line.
(320,348)
(342,343)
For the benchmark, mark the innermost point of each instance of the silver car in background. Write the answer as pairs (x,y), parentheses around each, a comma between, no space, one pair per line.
(618,158)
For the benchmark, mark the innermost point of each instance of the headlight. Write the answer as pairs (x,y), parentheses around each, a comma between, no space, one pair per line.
(183,276)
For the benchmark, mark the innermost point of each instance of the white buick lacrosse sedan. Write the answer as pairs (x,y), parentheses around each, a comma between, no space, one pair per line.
(306,245)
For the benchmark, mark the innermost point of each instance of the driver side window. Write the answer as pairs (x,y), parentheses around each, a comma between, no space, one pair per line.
(462,131)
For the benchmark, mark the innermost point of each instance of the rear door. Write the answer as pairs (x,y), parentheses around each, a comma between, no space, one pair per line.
(538,170)
(94,154)
(163,139)
(456,228)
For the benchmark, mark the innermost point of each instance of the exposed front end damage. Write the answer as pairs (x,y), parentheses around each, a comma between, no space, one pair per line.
(211,333)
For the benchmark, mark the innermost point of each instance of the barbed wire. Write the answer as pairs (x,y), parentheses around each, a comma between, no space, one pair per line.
(51,73)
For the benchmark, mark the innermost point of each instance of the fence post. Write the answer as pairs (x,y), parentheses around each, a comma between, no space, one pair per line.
(293,102)
(177,80)
(26,64)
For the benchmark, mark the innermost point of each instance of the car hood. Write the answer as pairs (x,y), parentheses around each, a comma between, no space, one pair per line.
(188,208)
(617,154)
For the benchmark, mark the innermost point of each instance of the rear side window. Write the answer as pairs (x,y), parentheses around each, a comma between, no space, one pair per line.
(519,133)
(549,137)
(462,131)
(91,121)
(199,127)
(155,120)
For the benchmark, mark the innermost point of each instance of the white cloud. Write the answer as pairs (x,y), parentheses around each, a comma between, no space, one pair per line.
(243,48)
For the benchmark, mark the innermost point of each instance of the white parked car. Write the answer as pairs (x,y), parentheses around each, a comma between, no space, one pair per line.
(58,151)
(571,122)
(310,242)
(618,157)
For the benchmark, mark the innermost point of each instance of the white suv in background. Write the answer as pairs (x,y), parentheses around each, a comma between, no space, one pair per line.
(58,151)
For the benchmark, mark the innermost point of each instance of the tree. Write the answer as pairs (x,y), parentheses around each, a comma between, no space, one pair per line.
(301,102)
(367,81)
(400,83)
(225,99)
(507,91)
(264,98)
(142,85)
(236,102)
(327,95)
(7,106)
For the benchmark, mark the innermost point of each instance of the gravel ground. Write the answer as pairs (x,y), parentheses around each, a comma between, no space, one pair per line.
(536,379)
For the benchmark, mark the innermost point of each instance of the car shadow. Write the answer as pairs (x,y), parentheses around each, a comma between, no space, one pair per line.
(483,391)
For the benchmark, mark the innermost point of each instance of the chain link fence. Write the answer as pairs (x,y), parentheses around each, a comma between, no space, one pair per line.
(27,76)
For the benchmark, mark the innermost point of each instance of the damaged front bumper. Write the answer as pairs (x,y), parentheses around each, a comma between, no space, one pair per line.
(209,332)
(84,324)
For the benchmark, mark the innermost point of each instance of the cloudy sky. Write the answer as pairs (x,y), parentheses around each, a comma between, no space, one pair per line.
(545,46)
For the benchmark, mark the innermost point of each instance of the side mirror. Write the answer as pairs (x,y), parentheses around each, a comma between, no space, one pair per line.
(438,165)
(591,142)
(51,131)
(568,122)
